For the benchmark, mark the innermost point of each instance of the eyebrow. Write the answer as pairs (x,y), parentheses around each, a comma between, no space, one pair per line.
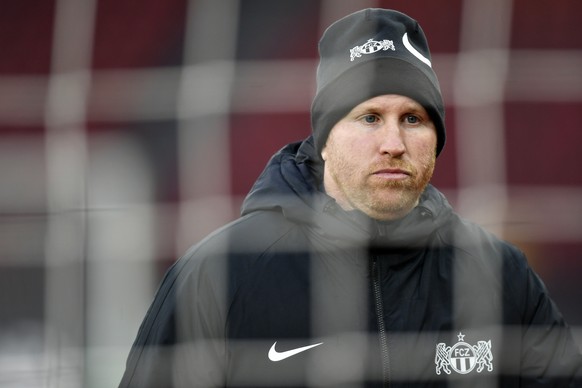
(412,107)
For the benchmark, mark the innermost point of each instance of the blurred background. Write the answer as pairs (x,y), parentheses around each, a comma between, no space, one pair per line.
(131,129)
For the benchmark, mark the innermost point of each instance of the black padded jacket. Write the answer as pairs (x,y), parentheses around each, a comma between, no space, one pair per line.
(298,293)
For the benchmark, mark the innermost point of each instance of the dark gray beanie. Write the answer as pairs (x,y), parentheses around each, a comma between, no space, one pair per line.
(367,54)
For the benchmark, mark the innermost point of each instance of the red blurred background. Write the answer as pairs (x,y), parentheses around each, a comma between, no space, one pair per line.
(131,129)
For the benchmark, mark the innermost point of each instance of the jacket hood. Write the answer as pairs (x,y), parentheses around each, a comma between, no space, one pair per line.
(291,183)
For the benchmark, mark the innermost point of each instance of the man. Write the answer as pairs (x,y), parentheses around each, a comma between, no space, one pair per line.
(347,268)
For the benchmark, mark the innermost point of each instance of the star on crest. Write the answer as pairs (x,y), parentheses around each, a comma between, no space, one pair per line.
(461,337)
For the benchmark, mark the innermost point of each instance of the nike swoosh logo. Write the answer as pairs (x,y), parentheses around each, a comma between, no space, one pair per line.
(275,356)
(414,51)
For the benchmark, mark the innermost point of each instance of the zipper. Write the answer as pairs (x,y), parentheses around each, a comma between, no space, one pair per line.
(381,324)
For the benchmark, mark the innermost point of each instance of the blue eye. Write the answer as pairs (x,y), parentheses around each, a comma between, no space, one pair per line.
(370,119)
(411,119)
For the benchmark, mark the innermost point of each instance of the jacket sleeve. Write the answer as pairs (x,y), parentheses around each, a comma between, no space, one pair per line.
(180,342)
(550,355)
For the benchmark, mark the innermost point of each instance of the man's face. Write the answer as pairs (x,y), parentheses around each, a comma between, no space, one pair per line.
(380,157)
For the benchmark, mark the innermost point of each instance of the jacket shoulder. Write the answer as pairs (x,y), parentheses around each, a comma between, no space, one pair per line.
(498,265)
(240,243)
(475,240)
(254,232)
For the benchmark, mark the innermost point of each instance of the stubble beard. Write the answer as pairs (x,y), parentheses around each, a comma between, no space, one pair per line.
(386,199)
(393,199)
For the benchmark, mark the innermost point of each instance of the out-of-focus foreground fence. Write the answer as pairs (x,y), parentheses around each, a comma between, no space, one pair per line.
(130,129)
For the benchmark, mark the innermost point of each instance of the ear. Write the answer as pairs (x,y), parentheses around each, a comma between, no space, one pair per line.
(324,153)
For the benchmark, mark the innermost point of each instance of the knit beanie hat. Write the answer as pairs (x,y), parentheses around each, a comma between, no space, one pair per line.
(367,54)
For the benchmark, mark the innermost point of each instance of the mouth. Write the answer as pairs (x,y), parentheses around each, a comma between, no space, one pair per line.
(392,174)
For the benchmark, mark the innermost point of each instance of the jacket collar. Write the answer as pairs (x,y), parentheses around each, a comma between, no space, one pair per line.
(291,184)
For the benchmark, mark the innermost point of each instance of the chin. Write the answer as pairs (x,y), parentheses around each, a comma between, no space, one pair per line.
(393,207)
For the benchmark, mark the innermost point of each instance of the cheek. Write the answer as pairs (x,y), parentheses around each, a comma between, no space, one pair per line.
(333,147)
(423,146)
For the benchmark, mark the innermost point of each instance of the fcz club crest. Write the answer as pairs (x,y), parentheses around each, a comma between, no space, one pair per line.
(462,357)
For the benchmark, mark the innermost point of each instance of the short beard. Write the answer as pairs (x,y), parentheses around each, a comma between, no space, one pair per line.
(409,191)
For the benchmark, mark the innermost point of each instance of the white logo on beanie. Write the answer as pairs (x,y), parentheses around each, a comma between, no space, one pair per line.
(370,47)
(414,51)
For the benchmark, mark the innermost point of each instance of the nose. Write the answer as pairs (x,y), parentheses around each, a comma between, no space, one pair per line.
(390,139)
